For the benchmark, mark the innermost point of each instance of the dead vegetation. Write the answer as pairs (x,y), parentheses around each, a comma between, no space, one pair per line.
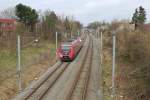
(133,48)
(133,60)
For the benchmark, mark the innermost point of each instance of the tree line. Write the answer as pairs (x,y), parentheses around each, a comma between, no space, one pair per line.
(44,23)
(138,19)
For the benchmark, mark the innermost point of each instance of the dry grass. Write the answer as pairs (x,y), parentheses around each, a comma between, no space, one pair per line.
(34,62)
(133,48)
(133,60)
(107,67)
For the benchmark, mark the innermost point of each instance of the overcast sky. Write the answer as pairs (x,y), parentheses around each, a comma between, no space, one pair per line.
(86,10)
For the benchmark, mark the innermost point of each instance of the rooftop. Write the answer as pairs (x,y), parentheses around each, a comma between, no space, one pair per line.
(7,20)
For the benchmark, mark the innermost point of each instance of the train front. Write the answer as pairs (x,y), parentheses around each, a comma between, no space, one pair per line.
(65,52)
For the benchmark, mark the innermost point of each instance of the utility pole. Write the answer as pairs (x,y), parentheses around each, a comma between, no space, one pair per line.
(78,33)
(113,63)
(101,47)
(56,43)
(19,65)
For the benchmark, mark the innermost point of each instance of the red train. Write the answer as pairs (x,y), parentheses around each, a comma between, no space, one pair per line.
(68,51)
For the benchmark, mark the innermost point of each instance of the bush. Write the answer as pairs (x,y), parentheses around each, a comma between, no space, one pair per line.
(133,47)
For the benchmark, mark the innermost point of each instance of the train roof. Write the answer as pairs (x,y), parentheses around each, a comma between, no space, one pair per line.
(71,40)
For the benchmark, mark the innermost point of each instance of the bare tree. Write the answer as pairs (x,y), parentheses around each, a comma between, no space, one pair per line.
(8,13)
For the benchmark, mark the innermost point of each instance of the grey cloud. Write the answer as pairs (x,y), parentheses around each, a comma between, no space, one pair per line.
(86,10)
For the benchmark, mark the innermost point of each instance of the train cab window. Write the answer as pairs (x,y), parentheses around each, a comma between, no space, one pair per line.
(65,47)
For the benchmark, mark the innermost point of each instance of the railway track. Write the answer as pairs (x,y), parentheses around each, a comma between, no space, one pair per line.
(78,90)
(79,85)
(41,90)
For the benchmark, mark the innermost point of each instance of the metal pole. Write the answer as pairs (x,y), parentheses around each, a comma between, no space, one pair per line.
(19,65)
(97,33)
(56,42)
(78,33)
(101,49)
(71,34)
(114,64)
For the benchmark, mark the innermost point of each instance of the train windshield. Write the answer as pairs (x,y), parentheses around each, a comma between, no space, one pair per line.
(65,47)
